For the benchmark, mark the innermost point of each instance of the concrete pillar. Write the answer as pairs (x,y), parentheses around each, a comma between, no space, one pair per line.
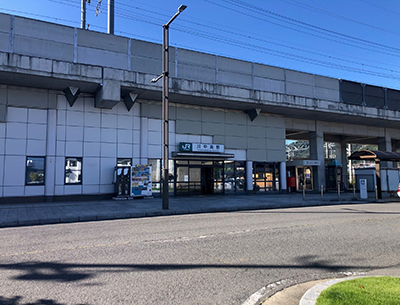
(249,177)
(316,141)
(385,144)
(108,95)
(282,173)
(341,156)
(50,173)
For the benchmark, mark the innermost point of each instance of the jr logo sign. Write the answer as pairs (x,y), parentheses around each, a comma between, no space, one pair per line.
(185,146)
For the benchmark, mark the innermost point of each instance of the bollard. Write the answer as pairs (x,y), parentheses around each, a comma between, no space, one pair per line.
(354,191)
(322,192)
(304,192)
(338,191)
(376,192)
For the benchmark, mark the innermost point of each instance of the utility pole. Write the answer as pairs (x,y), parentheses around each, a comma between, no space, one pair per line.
(165,109)
(83,14)
(110,24)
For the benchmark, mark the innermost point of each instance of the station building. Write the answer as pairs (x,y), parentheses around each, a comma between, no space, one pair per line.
(74,104)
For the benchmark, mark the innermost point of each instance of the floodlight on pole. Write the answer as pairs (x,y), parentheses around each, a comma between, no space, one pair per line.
(165,109)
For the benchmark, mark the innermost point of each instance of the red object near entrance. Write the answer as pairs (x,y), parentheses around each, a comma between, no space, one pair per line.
(291,181)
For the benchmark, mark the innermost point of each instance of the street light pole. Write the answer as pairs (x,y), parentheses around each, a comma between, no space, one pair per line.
(165,109)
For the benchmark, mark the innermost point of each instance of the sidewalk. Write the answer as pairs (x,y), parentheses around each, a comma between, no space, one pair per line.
(23,214)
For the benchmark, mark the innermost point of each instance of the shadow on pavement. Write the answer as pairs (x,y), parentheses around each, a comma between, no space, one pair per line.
(64,273)
(18,299)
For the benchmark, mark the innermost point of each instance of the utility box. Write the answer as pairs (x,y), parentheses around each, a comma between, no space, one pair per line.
(366,173)
(390,179)
(363,188)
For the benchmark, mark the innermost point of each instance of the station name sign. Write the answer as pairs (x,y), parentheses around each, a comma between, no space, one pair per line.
(200,147)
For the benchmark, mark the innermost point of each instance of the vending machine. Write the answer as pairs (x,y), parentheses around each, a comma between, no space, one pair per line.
(122,181)
(141,182)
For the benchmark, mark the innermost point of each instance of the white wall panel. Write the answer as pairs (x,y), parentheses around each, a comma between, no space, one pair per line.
(91,171)
(73,189)
(107,171)
(194,138)
(124,122)
(181,138)
(34,190)
(62,102)
(1,170)
(13,191)
(136,136)
(92,119)
(15,147)
(74,133)
(91,134)
(37,131)
(73,149)
(61,117)
(2,146)
(154,125)
(59,190)
(154,151)
(109,135)
(2,130)
(60,148)
(38,116)
(125,150)
(91,149)
(91,189)
(60,172)
(106,189)
(61,132)
(14,170)
(16,130)
(125,136)
(154,138)
(109,150)
(36,148)
(109,120)
(74,118)
(17,114)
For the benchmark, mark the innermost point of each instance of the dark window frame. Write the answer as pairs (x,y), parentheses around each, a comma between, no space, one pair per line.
(80,176)
(26,171)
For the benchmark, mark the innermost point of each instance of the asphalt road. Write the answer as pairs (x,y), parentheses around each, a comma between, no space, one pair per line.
(216,258)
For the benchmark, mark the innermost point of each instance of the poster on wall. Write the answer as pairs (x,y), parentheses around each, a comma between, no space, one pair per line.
(141,182)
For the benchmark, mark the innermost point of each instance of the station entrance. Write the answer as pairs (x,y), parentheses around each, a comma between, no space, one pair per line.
(199,177)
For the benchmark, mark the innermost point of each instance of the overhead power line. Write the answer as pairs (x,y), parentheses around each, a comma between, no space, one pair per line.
(325,12)
(259,10)
(155,18)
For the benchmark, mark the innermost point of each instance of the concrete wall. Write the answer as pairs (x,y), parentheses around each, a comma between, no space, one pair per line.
(263,139)
(55,130)
(30,37)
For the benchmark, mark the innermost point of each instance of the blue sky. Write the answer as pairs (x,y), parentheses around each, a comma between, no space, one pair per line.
(357,40)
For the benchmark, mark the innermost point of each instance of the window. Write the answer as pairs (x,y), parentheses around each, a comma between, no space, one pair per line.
(124,162)
(73,170)
(34,174)
(156,166)
(265,176)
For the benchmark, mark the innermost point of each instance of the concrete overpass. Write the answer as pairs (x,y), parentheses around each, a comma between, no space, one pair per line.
(113,70)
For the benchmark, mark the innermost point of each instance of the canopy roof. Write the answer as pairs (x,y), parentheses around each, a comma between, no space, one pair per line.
(376,155)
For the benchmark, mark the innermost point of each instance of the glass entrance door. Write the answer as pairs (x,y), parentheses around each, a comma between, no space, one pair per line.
(304,176)
(199,177)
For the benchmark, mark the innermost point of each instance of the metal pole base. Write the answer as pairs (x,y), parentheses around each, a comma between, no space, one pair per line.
(165,193)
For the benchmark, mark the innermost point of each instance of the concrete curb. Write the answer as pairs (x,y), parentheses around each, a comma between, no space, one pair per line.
(127,215)
(311,296)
